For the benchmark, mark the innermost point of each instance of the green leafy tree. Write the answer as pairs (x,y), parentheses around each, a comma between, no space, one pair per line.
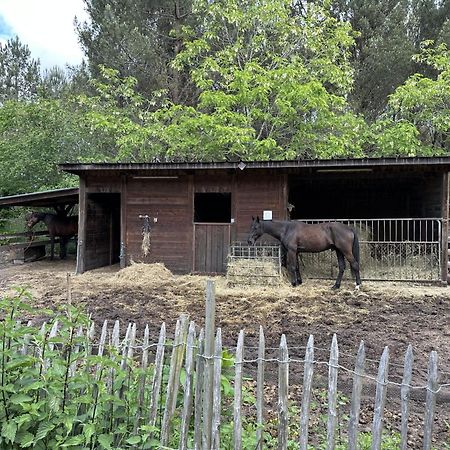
(35,137)
(19,73)
(271,85)
(419,110)
(138,39)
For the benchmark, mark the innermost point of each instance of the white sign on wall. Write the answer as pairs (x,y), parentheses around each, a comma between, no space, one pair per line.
(267,215)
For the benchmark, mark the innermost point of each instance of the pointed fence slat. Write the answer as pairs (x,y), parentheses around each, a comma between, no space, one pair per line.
(198,402)
(187,403)
(75,352)
(332,393)
(260,390)
(355,407)
(101,348)
(209,365)
(307,386)
(26,341)
(431,400)
(405,394)
(380,400)
(144,366)
(237,413)
(157,376)
(283,388)
(125,346)
(176,363)
(215,439)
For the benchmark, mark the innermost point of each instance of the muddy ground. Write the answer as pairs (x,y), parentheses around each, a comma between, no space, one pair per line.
(381,314)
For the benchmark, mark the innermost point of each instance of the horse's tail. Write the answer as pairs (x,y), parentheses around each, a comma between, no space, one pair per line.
(355,247)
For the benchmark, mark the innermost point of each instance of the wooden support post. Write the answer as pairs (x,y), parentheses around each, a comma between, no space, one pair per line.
(123,222)
(82,219)
(444,237)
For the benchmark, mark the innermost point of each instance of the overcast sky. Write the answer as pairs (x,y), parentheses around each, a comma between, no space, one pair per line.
(46,26)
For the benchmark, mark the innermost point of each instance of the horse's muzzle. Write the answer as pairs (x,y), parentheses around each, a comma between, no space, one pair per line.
(251,241)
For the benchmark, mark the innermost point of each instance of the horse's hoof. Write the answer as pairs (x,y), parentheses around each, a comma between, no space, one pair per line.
(335,286)
(357,286)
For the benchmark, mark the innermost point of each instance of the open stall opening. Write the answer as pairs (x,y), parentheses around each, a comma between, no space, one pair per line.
(397,216)
(102,230)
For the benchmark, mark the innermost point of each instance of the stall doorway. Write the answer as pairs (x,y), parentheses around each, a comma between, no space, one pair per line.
(102,230)
(212,222)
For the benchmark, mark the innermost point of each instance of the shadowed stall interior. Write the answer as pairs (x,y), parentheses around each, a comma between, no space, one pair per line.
(102,230)
(365,195)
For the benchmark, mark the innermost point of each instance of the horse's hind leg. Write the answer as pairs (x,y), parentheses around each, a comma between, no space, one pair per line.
(354,267)
(293,269)
(341,263)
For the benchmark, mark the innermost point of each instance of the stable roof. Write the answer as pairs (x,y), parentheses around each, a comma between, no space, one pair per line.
(43,199)
(328,164)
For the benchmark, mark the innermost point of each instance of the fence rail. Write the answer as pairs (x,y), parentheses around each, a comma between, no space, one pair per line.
(180,389)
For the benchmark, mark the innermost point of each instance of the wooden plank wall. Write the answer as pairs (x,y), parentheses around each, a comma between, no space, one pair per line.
(256,192)
(170,201)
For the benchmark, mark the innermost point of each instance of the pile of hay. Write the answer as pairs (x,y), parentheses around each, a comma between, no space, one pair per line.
(141,273)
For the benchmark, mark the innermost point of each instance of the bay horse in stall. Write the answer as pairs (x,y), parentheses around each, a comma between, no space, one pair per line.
(58,226)
(298,237)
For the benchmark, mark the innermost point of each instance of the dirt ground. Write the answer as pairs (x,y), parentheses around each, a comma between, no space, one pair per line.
(381,314)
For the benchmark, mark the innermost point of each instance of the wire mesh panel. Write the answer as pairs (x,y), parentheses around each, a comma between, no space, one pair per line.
(390,249)
(254,264)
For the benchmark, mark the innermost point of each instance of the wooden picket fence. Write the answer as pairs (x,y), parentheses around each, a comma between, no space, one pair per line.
(191,388)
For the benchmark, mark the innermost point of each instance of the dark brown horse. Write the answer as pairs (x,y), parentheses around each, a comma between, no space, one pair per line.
(298,237)
(58,226)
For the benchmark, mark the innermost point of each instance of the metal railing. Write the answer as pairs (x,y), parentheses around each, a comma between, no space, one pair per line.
(254,264)
(391,249)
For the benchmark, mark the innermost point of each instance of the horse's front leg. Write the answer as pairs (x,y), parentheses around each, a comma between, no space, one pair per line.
(293,268)
(63,248)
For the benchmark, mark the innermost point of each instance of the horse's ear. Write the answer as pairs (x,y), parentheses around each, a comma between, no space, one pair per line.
(253,219)
(257,219)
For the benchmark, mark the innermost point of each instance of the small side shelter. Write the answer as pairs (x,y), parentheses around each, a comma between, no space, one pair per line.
(191,214)
(23,246)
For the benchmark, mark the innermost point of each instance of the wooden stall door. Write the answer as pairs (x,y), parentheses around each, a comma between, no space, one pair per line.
(211,244)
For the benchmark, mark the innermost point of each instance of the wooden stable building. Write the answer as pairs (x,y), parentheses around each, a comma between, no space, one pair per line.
(196,210)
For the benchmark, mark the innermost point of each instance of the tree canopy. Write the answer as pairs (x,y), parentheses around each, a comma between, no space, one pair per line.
(191,80)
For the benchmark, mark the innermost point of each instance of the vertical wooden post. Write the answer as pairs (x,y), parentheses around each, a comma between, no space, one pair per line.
(123,222)
(187,403)
(260,390)
(444,237)
(173,383)
(237,413)
(283,388)
(380,400)
(199,369)
(404,393)
(209,365)
(157,376)
(355,407)
(431,400)
(307,386)
(332,393)
(82,221)
(217,399)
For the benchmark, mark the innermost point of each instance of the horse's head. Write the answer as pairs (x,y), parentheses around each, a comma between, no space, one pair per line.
(255,231)
(33,218)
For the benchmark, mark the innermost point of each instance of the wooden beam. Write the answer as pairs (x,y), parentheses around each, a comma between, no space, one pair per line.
(444,237)
(123,222)
(82,218)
